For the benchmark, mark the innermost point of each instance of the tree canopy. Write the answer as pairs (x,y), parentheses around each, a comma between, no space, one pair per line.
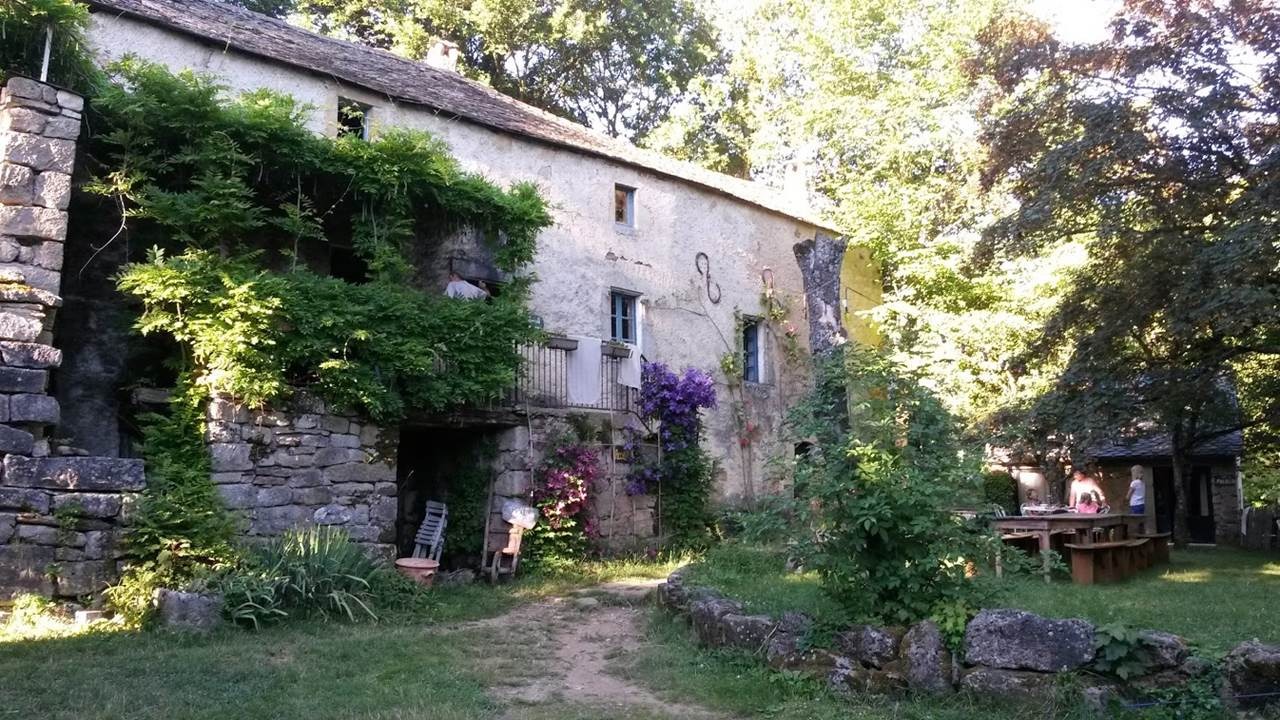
(618,66)
(1158,148)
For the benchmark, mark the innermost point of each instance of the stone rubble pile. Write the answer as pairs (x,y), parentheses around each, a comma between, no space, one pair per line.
(61,518)
(1011,655)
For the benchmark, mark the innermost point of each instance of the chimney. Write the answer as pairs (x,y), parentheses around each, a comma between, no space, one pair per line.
(795,183)
(443,55)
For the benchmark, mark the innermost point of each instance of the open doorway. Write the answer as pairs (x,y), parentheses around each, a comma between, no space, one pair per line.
(1199,494)
(449,465)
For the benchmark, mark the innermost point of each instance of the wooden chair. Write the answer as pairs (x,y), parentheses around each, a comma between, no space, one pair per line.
(429,542)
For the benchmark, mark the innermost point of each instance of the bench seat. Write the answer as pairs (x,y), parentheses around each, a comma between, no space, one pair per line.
(1159,546)
(1107,561)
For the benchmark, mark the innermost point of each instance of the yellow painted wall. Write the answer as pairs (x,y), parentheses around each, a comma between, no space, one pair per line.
(860,289)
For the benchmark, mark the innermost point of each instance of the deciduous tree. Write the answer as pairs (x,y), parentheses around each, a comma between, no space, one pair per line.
(616,65)
(1159,148)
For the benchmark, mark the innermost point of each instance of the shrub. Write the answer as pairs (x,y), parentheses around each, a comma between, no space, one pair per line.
(182,531)
(564,484)
(685,474)
(999,488)
(771,519)
(309,572)
(885,465)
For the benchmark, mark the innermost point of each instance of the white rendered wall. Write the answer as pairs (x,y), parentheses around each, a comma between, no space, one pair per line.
(584,255)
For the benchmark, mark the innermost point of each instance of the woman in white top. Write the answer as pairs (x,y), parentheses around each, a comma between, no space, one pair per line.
(1081,484)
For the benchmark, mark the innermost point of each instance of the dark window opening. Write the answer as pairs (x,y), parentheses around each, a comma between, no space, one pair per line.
(624,205)
(622,317)
(751,350)
(353,118)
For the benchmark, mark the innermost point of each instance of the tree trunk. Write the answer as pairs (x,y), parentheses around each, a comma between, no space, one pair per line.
(1178,458)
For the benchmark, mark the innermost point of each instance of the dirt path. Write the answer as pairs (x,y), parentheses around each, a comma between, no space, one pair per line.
(558,653)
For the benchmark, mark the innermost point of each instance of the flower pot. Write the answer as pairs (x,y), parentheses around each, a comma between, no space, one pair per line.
(419,570)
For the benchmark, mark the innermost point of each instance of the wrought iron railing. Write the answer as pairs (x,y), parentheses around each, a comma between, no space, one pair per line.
(544,382)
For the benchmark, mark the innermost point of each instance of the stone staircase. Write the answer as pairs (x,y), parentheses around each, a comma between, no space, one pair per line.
(61,514)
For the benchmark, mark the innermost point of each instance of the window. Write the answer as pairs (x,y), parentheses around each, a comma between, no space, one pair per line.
(622,317)
(751,350)
(353,118)
(624,205)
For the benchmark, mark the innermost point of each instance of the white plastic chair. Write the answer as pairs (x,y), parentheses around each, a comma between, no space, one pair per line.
(429,541)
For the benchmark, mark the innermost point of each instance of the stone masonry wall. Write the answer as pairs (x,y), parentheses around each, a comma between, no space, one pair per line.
(624,522)
(62,513)
(1226,504)
(305,465)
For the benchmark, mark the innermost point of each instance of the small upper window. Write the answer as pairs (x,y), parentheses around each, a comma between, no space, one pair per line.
(751,356)
(353,118)
(622,317)
(624,205)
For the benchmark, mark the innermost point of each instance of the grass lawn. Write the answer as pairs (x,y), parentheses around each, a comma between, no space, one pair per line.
(405,666)
(401,669)
(1214,597)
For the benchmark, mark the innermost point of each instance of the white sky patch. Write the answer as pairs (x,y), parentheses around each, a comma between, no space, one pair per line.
(1077,21)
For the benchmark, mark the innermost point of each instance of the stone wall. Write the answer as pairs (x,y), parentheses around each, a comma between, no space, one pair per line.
(305,465)
(1227,506)
(62,514)
(624,522)
(1010,655)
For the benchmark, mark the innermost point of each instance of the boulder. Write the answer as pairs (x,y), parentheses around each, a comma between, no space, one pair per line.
(1019,640)
(870,645)
(1161,650)
(850,676)
(1009,685)
(189,611)
(1191,668)
(795,623)
(927,659)
(673,597)
(747,632)
(1251,675)
(785,653)
(705,616)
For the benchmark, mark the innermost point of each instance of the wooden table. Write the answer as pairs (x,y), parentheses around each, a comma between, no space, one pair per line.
(1080,525)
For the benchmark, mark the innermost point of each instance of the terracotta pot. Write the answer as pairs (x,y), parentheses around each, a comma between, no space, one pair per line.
(419,570)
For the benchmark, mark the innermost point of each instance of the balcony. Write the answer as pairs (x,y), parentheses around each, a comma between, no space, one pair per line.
(544,382)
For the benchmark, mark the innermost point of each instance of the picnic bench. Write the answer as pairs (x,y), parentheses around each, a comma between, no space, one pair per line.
(1095,539)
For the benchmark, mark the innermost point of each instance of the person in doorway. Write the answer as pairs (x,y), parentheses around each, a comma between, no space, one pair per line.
(459,288)
(1082,484)
(1137,495)
(1089,504)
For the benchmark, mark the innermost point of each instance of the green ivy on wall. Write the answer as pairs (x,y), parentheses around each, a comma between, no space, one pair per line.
(26,26)
(235,195)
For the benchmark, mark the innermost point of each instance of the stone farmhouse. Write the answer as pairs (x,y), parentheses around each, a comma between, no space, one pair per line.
(649,258)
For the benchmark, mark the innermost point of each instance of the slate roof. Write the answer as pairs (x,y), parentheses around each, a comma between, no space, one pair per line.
(407,81)
(1228,445)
